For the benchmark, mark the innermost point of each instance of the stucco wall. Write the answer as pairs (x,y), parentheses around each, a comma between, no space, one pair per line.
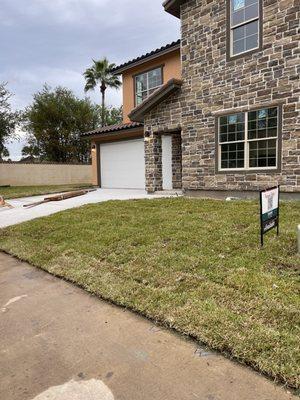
(16,174)
(95,168)
(171,69)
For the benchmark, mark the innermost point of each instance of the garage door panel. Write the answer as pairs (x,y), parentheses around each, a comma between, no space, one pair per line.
(123,165)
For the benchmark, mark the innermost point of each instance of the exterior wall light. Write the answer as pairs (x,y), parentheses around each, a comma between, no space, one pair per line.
(147,136)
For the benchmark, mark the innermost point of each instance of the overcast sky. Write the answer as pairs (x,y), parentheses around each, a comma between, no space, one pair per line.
(53,41)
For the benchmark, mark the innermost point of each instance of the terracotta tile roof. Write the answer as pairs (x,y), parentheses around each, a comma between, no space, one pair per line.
(154,99)
(153,54)
(113,128)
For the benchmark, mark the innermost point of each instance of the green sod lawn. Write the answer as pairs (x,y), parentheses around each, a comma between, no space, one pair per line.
(193,265)
(14,192)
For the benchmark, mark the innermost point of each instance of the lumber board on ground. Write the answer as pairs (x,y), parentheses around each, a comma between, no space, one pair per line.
(60,197)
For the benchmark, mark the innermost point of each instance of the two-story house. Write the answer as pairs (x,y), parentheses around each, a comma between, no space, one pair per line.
(218,110)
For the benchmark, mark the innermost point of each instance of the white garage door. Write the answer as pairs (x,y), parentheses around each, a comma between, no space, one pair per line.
(123,165)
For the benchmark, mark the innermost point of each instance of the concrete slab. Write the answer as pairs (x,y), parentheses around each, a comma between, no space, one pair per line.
(18,214)
(58,342)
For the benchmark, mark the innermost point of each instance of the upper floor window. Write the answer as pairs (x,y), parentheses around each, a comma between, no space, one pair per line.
(245,20)
(147,83)
(249,141)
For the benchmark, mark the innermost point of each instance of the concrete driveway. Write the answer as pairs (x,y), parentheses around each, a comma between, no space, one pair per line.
(59,343)
(19,214)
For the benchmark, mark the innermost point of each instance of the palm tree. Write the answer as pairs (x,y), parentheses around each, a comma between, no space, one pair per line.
(101,73)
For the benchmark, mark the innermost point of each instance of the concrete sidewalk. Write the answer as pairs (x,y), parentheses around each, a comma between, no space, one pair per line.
(59,343)
(20,214)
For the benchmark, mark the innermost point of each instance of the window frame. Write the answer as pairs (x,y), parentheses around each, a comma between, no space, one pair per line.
(229,41)
(246,141)
(161,67)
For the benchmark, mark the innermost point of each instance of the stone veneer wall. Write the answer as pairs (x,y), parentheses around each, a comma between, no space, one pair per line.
(176,161)
(153,155)
(153,160)
(164,118)
(211,85)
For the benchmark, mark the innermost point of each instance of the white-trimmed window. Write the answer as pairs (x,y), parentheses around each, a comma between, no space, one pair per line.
(147,83)
(244,26)
(249,141)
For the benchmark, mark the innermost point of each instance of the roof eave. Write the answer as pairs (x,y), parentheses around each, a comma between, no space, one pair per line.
(137,115)
(173,7)
(118,71)
(116,134)
(112,129)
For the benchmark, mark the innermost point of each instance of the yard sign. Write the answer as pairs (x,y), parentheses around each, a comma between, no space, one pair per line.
(269,210)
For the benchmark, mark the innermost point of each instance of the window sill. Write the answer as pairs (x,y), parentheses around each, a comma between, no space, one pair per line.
(240,171)
(242,55)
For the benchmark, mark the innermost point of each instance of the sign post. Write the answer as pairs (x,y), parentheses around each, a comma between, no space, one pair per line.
(269,211)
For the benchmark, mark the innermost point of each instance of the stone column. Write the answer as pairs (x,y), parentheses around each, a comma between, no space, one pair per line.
(153,162)
(177,161)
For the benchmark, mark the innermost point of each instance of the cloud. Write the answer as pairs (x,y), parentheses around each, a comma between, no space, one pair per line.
(54,11)
(54,41)
(30,81)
